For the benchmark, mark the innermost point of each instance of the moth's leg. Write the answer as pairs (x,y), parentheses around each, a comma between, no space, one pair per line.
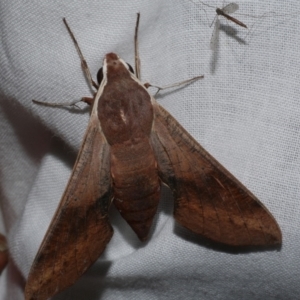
(88,100)
(159,88)
(83,61)
(61,104)
(136,49)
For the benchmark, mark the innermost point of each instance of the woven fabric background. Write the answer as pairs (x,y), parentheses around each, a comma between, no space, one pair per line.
(245,112)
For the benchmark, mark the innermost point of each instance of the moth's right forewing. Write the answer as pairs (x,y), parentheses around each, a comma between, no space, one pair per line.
(80,229)
(208,199)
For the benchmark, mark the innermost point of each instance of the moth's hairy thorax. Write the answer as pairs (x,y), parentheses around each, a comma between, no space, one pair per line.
(125,110)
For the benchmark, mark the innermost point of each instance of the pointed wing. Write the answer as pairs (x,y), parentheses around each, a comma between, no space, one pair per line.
(214,40)
(80,229)
(230,8)
(208,199)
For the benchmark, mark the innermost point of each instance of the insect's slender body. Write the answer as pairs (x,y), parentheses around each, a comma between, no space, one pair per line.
(221,12)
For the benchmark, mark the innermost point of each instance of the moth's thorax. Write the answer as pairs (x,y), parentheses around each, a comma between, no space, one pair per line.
(124,108)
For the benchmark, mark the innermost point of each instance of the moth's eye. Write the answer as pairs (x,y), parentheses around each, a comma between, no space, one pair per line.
(100,76)
(130,68)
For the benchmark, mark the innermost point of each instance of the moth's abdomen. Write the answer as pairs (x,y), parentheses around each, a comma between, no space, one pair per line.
(136,185)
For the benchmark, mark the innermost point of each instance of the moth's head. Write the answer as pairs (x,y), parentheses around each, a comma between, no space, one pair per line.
(113,65)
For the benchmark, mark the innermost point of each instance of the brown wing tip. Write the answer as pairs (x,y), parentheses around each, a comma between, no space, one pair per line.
(275,237)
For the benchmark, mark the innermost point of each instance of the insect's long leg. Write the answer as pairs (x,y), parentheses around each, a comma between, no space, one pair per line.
(159,88)
(203,3)
(216,16)
(83,61)
(136,49)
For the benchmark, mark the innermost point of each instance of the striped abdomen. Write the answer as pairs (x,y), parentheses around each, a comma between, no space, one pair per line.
(136,185)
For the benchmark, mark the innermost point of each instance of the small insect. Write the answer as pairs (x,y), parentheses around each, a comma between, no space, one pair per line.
(227,9)
(131,146)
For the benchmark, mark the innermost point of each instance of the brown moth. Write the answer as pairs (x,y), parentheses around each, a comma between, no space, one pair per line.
(131,146)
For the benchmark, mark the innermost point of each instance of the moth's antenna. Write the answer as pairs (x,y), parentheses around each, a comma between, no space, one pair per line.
(136,49)
(83,61)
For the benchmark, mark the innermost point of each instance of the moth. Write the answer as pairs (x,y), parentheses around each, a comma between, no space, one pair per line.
(131,146)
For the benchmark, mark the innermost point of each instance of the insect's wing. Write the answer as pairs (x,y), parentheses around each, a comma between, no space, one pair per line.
(215,35)
(230,8)
(208,199)
(80,229)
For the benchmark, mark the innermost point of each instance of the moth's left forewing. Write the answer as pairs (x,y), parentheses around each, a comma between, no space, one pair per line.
(208,199)
(80,229)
